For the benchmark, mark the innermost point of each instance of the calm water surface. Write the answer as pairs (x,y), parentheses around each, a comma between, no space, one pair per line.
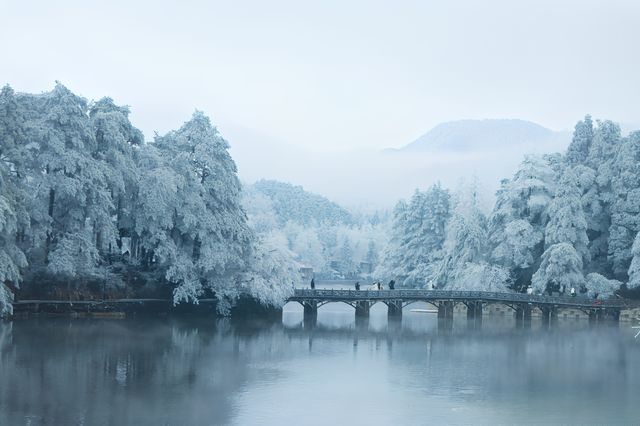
(338,371)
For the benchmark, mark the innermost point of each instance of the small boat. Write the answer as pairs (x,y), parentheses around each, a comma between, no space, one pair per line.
(424,311)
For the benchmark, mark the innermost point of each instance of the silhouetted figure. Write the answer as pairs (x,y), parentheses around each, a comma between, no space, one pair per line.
(313,283)
(357,285)
(392,285)
(379,286)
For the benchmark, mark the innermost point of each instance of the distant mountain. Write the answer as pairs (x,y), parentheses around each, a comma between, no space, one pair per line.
(294,203)
(483,135)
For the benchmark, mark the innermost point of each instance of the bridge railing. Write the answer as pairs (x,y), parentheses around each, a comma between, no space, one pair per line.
(332,294)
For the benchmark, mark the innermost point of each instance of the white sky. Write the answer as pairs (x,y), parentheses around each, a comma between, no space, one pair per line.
(330,76)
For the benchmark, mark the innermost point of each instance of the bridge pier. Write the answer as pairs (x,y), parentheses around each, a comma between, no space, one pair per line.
(394,308)
(362,308)
(310,322)
(601,315)
(523,313)
(310,308)
(445,309)
(613,315)
(549,315)
(474,310)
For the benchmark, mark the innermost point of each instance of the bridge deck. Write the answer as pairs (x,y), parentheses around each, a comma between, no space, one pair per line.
(301,295)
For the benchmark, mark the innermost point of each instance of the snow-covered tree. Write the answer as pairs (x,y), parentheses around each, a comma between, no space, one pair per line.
(596,216)
(116,140)
(345,257)
(307,247)
(625,207)
(634,268)
(392,257)
(419,233)
(67,184)
(481,276)
(518,221)
(531,190)
(582,138)
(599,286)
(13,216)
(517,244)
(466,243)
(567,223)
(372,254)
(6,300)
(561,265)
(189,216)
(260,211)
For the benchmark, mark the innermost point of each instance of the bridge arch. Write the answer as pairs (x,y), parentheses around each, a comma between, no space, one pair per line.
(428,302)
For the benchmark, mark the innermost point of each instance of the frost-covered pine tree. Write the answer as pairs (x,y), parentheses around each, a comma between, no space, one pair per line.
(532,189)
(582,138)
(392,256)
(467,249)
(424,235)
(567,223)
(565,238)
(596,217)
(602,151)
(372,254)
(519,218)
(345,257)
(625,207)
(561,265)
(601,158)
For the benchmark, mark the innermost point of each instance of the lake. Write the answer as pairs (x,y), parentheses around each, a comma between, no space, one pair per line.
(207,371)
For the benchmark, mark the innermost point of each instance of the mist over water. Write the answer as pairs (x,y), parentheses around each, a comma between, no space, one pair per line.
(337,371)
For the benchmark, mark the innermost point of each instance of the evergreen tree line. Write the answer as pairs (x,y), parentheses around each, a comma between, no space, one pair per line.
(561,222)
(88,209)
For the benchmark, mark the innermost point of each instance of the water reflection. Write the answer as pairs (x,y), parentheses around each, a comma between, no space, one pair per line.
(414,370)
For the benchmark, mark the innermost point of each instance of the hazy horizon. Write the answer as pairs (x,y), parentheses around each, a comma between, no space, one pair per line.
(305,91)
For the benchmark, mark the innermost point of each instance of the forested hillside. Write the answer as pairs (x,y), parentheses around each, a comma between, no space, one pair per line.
(88,209)
(293,203)
(315,231)
(561,221)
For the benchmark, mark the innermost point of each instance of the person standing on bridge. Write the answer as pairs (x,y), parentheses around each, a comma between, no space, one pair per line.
(357,285)
(313,283)
(392,285)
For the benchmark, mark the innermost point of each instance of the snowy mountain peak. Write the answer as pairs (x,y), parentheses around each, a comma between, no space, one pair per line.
(472,135)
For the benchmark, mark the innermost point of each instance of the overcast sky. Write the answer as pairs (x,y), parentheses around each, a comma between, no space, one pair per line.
(331,76)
